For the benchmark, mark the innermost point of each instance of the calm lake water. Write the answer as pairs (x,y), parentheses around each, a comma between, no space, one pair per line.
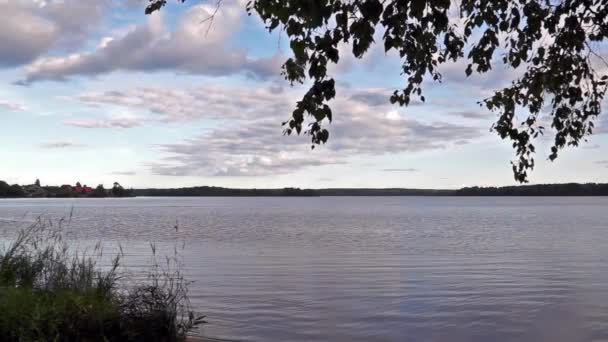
(367,268)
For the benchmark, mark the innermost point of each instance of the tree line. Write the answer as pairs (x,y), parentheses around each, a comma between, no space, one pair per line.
(566,189)
(569,189)
(63,191)
(219,191)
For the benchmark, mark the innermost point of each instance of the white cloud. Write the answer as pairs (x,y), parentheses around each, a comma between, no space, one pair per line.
(249,142)
(401,170)
(24,35)
(124,173)
(29,28)
(393,115)
(60,144)
(247,139)
(472,114)
(13,106)
(590,147)
(207,101)
(115,121)
(190,48)
(601,124)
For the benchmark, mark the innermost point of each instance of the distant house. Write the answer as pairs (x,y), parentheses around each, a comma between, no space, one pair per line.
(82,189)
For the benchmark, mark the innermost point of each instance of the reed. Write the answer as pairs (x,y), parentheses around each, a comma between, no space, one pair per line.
(49,292)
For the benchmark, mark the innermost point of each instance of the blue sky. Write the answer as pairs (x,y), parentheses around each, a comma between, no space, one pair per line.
(96,92)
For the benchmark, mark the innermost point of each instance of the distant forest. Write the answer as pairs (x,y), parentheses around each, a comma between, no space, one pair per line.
(569,189)
(36,190)
(218,191)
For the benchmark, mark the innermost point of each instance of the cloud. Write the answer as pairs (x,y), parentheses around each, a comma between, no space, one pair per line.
(13,106)
(363,130)
(590,147)
(60,144)
(245,137)
(253,149)
(250,106)
(123,173)
(30,28)
(24,35)
(401,170)
(74,19)
(112,122)
(249,142)
(377,97)
(190,48)
(187,105)
(258,149)
(601,124)
(478,85)
(471,114)
(372,97)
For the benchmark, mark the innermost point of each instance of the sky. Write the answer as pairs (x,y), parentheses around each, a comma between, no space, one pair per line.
(95,91)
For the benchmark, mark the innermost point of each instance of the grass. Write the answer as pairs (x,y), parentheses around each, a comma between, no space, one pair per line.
(51,293)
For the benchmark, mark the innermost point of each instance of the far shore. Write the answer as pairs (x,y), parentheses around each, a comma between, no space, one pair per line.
(567,189)
(564,189)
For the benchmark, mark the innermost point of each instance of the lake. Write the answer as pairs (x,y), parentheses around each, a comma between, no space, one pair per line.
(366,268)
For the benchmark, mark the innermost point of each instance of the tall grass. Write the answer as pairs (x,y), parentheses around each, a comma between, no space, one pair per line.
(49,292)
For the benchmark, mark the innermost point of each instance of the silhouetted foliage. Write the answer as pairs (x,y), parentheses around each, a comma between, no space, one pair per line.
(4,188)
(99,191)
(15,191)
(10,190)
(551,41)
(59,192)
(118,191)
